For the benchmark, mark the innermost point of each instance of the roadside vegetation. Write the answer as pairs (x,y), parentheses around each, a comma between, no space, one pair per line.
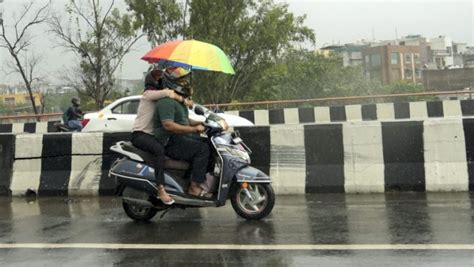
(271,49)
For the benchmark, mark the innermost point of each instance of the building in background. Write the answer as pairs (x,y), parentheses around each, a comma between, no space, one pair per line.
(350,54)
(448,79)
(441,49)
(468,60)
(17,100)
(393,63)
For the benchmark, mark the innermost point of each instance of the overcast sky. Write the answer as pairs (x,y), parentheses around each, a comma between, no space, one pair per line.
(334,22)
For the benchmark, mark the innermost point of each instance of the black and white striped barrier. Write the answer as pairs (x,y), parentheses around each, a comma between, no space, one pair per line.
(369,112)
(430,155)
(28,127)
(318,115)
(64,163)
(6,161)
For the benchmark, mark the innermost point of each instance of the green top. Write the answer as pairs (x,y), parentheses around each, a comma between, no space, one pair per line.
(168,109)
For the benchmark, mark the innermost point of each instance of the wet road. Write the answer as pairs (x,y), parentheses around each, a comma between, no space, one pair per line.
(409,229)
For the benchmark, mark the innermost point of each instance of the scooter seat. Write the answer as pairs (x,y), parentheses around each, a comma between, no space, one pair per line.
(148,157)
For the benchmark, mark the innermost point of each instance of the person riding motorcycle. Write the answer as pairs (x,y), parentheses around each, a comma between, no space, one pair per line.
(73,115)
(142,135)
(174,130)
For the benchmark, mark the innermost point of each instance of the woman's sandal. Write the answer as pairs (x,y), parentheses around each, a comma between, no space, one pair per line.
(169,202)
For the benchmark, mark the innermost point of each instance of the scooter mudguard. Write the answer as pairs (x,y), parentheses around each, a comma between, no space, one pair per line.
(246,174)
(252,175)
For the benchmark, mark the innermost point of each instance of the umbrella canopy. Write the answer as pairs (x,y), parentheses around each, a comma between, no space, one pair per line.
(191,53)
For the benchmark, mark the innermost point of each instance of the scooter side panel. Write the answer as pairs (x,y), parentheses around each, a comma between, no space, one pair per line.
(127,167)
(137,183)
(230,166)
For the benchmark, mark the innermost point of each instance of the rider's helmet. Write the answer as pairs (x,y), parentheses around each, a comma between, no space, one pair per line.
(76,101)
(178,79)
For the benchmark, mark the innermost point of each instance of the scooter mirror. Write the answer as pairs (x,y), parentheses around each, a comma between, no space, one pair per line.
(199,110)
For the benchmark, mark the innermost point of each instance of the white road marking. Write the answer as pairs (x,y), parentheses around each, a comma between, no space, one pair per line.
(238,247)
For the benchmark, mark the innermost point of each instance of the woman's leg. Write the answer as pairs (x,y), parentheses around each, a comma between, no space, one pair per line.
(148,143)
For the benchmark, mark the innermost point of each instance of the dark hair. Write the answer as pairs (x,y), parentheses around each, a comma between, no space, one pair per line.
(151,83)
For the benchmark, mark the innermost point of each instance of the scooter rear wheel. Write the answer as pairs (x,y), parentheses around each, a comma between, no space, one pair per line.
(253,202)
(138,212)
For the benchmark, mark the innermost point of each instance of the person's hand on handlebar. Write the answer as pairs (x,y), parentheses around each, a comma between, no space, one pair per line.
(199,128)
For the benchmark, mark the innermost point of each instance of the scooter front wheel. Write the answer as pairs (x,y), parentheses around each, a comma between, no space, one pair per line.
(138,212)
(253,201)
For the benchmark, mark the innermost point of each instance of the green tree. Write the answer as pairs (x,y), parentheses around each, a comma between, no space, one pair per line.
(253,33)
(303,74)
(59,102)
(100,37)
(5,110)
(402,87)
(161,20)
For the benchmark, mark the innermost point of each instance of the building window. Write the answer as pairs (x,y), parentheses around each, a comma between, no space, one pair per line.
(418,73)
(408,74)
(394,58)
(440,62)
(417,58)
(408,58)
(375,59)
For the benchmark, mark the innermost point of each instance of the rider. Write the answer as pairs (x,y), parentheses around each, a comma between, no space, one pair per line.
(142,135)
(74,114)
(174,129)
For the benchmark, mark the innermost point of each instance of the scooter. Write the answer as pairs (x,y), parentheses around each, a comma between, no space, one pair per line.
(248,188)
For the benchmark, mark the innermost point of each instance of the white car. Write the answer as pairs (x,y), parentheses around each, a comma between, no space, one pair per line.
(120,115)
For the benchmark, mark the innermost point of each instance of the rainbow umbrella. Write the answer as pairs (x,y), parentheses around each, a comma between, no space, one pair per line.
(191,54)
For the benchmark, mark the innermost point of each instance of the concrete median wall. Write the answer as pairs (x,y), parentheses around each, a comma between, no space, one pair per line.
(355,157)
(28,127)
(64,163)
(7,143)
(319,115)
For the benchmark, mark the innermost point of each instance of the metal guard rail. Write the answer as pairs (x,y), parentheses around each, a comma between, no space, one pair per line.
(41,117)
(315,100)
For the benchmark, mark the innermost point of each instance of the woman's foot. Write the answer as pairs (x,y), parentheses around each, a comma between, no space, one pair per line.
(164,197)
(195,190)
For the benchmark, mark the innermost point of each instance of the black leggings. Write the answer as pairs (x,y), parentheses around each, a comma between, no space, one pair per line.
(148,143)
